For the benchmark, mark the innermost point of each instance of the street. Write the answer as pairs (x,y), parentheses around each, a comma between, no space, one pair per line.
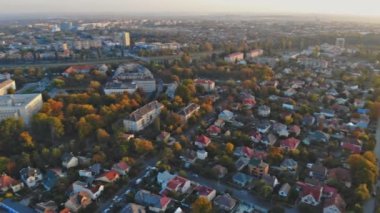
(370,205)
(105,205)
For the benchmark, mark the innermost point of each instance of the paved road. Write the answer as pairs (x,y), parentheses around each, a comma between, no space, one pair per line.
(52,64)
(370,205)
(151,162)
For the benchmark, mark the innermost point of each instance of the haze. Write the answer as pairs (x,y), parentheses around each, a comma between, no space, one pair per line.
(336,7)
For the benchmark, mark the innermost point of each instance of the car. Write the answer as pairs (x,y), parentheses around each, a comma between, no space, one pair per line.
(127,192)
(106,210)
(115,198)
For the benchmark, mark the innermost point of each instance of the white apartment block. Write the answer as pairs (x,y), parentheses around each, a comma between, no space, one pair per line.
(20,106)
(143,117)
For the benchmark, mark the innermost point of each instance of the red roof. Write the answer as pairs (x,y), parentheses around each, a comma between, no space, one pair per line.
(76,68)
(175,183)
(111,175)
(248,151)
(314,191)
(203,140)
(290,143)
(7,181)
(249,101)
(122,165)
(203,81)
(214,129)
(164,201)
(354,148)
(204,190)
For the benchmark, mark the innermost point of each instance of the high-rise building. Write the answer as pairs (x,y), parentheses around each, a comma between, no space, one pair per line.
(126,39)
(340,42)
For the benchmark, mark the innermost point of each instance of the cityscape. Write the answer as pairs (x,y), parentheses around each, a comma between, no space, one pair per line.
(229,109)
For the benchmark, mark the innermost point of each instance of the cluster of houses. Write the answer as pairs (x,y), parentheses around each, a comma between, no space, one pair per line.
(88,188)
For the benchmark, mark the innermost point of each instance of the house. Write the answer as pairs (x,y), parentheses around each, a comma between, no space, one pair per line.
(234,57)
(289,144)
(290,92)
(248,101)
(205,191)
(310,194)
(226,115)
(163,178)
(308,120)
(69,160)
(78,201)
(202,141)
(318,172)
(202,154)
(264,111)
(341,175)
(219,171)
(133,208)
(143,117)
(178,184)
(284,190)
(254,53)
(122,168)
(281,129)
(288,106)
(46,207)
(255,136)
(289,165)
(353,148)
(163,136)
(225,202)
(30,176)
(244,151)
(49,180)
(109,177)
(7,205)
(263,127)
(335,204)
(269,140)
(327,113)
(93,192)
(154,202)
(295,130)
(258,167)
(189,157)
(213,130)
(241,179)
(207,85)
(270,180)
(188,111)
(82,69)
(317,136)
(219,123)
(7,183)
(241,163)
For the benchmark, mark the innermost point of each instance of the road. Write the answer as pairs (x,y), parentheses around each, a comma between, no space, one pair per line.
(370,205)
(131,58)
(150,162)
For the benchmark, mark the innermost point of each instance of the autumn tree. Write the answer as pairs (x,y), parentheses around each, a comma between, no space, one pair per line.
(26,140)
(102,135)
(362,192)
(143,146)
(229,148)
(201,205)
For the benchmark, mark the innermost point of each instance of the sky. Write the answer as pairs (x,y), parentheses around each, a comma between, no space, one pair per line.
(338,7)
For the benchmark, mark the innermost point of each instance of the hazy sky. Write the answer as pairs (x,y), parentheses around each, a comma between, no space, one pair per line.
(345,7)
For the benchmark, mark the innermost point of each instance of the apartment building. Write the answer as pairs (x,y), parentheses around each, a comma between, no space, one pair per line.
(20,106)
(143,117)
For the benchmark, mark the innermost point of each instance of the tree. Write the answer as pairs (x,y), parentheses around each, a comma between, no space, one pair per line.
(26,139)
(102,135)
(177,147)
(362,192)
(229,148)
(275,155)
(143,146)
(201,205)
(58,83)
